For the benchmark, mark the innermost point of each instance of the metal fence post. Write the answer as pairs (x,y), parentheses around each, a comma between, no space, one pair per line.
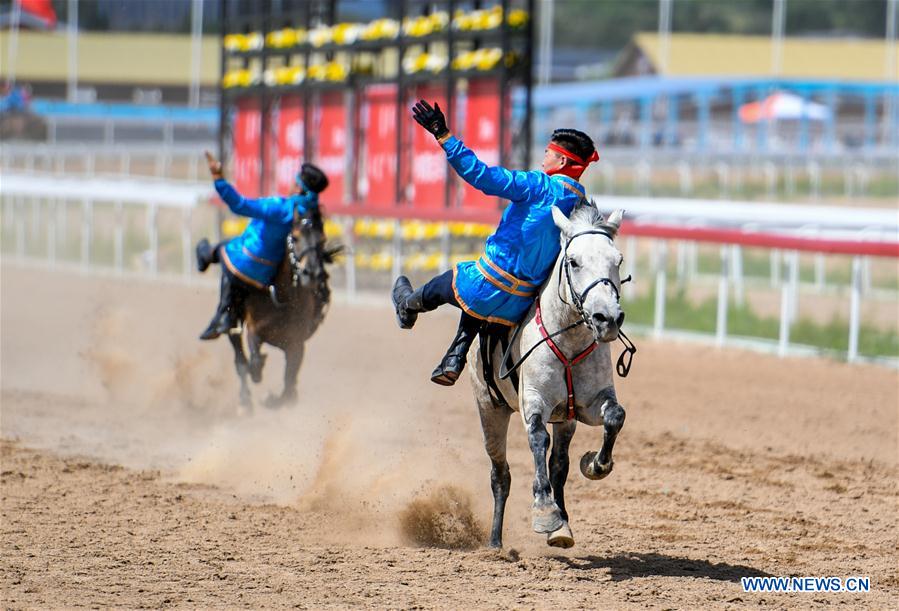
(118,254)
(790,180)
(736,264)
(786,308)
(186,216)
(866,274)
(794,285)
(608,177)
(64,225)
(855,298)
(35,219)
(775,267)
(685,178)
(192,171)
(51,232)
(631,256)
(87,221)
(153,236)
(721,314)
(349,229)
(722,172)
(661,280)
(642,176)
(20,228)
(813,169)
(681,264)
(771,179)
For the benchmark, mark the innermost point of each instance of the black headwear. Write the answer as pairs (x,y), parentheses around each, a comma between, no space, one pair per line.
(313,178)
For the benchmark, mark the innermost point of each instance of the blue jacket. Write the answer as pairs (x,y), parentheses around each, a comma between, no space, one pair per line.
(254,255)
(502,284)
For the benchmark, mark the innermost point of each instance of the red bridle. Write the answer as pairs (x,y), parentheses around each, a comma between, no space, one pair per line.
(568,364)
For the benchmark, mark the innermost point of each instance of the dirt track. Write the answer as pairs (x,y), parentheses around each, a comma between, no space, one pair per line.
(128,480)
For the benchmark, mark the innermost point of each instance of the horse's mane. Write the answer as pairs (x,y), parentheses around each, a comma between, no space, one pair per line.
(586,216)
(329,250)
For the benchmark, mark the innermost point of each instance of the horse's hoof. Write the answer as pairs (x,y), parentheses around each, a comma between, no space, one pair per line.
(561,537)
(593,470)
(546,519)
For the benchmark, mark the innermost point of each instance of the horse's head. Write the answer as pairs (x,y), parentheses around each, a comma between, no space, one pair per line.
(308,250)
(589,275)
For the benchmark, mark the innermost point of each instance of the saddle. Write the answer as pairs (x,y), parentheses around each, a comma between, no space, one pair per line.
(489,337)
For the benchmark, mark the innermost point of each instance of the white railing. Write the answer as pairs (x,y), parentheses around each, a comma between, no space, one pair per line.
(147,228)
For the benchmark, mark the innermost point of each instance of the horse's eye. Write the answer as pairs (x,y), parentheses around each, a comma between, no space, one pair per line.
(620,261)
(574,263)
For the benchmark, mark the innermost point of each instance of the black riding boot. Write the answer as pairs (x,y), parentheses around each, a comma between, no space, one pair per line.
(206,255)
(449,369)
(407,302)
(231,297)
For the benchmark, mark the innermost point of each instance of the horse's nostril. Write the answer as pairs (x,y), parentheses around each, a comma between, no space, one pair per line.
(620,320)
(600,318)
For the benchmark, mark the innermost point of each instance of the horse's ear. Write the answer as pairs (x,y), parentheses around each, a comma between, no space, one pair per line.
(561,220)
(615,219)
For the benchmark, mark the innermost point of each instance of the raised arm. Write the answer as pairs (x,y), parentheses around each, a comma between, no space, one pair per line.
(274,209)
(514,185)
(492,180)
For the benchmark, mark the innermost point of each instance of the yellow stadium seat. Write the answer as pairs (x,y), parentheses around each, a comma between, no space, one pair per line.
(333,229)
(234,226)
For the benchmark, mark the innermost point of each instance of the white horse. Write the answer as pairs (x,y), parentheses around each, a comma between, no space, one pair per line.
(582,293)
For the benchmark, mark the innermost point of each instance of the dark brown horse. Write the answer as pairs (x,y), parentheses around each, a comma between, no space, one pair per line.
(290,312)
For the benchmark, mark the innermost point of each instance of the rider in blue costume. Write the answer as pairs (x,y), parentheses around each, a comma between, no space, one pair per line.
(501,285)
(250,261)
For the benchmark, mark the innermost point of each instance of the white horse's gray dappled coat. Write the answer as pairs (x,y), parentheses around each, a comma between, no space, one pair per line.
(587,268)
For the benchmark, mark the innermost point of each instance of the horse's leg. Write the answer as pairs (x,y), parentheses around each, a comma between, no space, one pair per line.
(598,465)
(293,358)
(558,474)
(495,424)
(257,359)
(546,517)
(240,363)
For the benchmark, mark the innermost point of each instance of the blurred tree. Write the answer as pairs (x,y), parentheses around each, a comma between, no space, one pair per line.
(610,24)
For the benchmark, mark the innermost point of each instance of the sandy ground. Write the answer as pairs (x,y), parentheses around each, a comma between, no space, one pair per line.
(130,480)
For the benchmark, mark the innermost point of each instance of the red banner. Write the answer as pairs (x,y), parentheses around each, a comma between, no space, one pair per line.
(290,138)
(429,165)
(331,128)
(246,162)
(481,131)
(378,187)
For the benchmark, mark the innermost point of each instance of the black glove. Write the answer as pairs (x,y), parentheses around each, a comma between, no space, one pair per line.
(431,119)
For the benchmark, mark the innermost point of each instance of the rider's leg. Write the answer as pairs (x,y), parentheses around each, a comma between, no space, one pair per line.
(207,254)
(409,303)
(449,369)
(232,294)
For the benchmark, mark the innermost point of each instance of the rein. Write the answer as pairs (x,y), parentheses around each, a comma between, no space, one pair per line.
(622,366)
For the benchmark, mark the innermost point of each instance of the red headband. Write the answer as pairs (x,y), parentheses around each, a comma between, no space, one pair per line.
(577,168)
